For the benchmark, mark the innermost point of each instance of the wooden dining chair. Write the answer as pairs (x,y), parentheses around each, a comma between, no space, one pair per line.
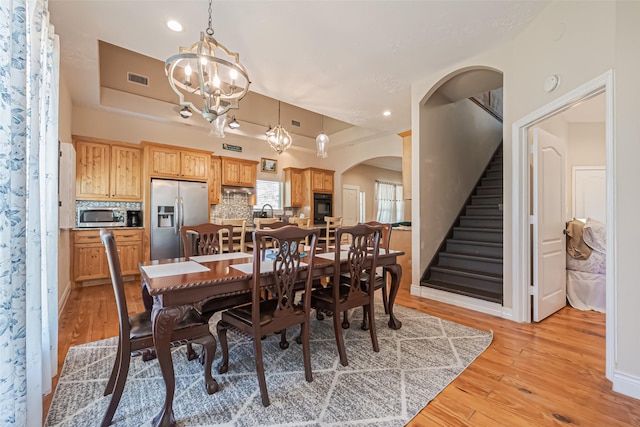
(136,339)
(339,296)
(205,239)
(301,222)
(238,235)
(380,281)
(329,238)
(265,224)
(277,310)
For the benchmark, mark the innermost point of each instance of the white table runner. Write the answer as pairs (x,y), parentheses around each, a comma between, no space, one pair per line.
(332,255)
(173,269)
(265,267)
(220,257)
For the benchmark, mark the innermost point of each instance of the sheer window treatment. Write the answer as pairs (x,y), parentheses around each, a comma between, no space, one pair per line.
(28,210)
(389,203)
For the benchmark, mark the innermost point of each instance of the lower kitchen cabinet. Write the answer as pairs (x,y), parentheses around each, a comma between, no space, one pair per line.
(90,258)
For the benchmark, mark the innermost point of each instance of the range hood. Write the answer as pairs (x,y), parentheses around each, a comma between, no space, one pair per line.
(230,189)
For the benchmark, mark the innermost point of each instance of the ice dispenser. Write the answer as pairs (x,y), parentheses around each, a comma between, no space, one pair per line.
(166,216)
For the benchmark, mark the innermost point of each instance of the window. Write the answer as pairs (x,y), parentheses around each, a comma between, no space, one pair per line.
(268,192)
(389,203)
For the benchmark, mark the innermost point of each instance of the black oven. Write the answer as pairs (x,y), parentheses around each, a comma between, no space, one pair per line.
(321,207)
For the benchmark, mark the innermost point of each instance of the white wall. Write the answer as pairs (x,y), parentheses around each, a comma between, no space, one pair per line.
(585,147)
(461,140)
(626,178)
(579,41)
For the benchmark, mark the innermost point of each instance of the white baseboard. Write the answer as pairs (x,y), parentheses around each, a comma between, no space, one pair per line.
(475,304)
(626,384)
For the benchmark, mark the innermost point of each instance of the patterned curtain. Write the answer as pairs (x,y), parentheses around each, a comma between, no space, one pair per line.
(28,209)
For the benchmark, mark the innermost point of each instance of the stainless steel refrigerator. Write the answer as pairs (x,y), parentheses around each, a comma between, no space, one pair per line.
(174,204)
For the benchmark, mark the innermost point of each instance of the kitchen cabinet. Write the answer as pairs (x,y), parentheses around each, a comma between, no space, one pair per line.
(321,180)
(215,195)
(239,172)
(293,187)
(90,259)
(107,170)
(166,161)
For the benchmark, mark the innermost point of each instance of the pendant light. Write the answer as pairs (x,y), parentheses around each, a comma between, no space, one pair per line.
(322,141)
(278,138)
(209,70)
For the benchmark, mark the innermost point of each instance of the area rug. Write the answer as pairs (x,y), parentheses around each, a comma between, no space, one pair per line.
(385,389)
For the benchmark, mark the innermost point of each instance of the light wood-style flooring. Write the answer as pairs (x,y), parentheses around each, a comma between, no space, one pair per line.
(545,374)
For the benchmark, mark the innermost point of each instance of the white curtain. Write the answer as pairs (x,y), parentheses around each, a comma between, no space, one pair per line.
(389,203)
(28,210)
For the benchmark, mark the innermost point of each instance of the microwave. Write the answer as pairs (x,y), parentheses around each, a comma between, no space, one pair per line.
(92,217)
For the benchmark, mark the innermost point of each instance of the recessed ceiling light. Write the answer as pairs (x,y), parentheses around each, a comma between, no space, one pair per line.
(174,25)
(386,113)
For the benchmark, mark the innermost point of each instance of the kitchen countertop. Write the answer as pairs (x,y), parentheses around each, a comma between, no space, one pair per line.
(109,228)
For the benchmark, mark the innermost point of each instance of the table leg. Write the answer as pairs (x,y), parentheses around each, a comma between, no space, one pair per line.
(164,320)
(395,271)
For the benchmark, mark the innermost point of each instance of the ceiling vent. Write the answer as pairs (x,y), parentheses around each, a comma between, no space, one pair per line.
(295,123)
(138,79)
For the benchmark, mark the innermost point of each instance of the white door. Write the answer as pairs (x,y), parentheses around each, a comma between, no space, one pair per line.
(549,244)
(350,204)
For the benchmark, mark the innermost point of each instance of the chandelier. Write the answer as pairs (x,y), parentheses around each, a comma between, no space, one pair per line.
(322,141)
(278,138)
(209,70)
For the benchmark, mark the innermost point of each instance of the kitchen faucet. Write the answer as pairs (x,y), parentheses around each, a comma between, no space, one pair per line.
(263,214)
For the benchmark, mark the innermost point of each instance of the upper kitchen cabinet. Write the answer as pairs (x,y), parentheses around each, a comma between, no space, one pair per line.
(107,170)
(406,164)
(214,181)
(321,180)
(171,162)
(239,172)
(293,187)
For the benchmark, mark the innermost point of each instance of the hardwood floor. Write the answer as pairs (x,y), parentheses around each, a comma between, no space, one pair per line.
(550,373)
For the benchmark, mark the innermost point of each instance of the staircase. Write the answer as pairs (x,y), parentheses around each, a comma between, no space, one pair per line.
(469,261)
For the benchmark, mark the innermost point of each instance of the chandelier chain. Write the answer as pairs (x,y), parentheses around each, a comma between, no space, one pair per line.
(210,27)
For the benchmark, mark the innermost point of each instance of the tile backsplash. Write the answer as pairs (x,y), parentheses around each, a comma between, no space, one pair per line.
(233,205)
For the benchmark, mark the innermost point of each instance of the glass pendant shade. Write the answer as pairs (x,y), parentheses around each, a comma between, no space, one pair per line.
(217,126)
(209,75)
(322,141)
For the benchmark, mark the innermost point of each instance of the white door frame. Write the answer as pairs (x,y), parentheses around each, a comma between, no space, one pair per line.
(521,302)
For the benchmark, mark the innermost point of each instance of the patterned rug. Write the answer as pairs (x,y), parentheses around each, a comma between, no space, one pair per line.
(386,389)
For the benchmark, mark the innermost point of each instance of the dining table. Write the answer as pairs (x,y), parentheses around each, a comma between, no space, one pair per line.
(175,287)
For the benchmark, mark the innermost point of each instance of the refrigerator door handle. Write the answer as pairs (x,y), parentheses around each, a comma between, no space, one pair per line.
(176,219)
(181,212)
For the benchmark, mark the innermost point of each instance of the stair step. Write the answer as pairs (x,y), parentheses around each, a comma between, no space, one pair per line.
(483,210)
(469,247)
(489,190)
(472,263)
(481,221)
(465,290)
(491,181)
(486,199)
(493,235)
(470,279)
(490,173)
(496,165)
